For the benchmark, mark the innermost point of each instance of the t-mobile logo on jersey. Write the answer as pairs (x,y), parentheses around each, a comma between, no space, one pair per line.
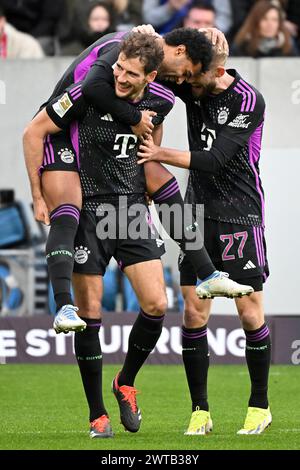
(208,136)
(124,143)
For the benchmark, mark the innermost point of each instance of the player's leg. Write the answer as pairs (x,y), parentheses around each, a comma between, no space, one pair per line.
(91,260)
(164,190)
(195,352)
(241,252)
(88,294)
(258,357)
(143,337)
(62,193)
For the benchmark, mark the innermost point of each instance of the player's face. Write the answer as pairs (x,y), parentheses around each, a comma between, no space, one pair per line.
(176,66)
(130,77)
(204,84)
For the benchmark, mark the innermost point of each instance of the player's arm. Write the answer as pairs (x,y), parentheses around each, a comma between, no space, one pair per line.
(229,141)
(98,90)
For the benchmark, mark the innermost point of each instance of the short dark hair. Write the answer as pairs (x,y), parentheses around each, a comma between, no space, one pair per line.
(198,47)
(202,6)
(2,13)
(146,47)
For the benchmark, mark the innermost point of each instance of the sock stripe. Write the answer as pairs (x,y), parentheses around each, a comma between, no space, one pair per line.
(194,335)
(66,206)
(60,214)
(260,335)
(65,209)
(167,192)
(151,317)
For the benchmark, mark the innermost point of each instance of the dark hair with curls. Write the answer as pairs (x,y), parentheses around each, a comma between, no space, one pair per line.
(146,47)
(198,47)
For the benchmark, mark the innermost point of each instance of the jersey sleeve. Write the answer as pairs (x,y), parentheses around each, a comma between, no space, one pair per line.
(232,138)
(68,107)
(98,90)
(164,102)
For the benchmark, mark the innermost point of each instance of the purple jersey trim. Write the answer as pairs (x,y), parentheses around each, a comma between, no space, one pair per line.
(254,144)
(80,73)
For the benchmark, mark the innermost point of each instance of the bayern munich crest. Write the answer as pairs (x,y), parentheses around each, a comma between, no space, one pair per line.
(223,114)
(66,155)
(81,254)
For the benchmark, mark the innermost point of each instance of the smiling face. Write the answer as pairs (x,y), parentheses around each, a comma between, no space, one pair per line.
(176,66)
(130,77)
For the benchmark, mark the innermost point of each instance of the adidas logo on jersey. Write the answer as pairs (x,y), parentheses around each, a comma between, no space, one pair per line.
(159,242)
(249,265)
(107,117)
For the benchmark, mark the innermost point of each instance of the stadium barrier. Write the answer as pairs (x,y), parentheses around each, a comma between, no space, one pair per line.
(33,340)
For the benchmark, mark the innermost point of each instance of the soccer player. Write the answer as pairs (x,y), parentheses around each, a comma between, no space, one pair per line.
(225,122)
(109,170)
(185,53)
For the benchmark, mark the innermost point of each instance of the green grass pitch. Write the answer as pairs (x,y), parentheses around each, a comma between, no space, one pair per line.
(43,407)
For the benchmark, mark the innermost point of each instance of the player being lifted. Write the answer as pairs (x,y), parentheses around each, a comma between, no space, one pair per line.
(225,122)
(59,192)
(109,169)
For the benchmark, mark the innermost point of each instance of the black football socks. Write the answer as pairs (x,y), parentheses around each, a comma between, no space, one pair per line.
(258,357)
(142,340)
(195,357)
(60,251)
(89,357)
(183,229)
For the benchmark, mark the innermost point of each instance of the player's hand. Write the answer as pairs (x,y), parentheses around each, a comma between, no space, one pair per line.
(41,212)
(148,151)
(145,29)
(217,38)
(145,125)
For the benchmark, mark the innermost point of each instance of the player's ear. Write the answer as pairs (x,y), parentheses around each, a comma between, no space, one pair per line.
(150,77)
(181,49)
(220,71)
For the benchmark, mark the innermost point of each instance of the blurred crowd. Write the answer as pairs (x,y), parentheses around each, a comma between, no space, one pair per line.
(254,28)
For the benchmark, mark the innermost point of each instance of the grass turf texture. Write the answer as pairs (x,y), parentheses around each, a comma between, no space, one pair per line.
(43,407)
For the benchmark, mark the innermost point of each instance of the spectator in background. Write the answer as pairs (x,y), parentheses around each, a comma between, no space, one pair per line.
(38,18)
(200,15)
(230,15)
(128,13)
(100,21)
(293,19)
(73,27)
(264,33)
(165,15)
(17,45)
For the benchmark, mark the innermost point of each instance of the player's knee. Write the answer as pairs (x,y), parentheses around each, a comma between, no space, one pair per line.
(193,316)
(249,318)
(90,308)
(157,307)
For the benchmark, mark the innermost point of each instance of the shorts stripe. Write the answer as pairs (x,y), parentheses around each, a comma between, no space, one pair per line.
(51,150)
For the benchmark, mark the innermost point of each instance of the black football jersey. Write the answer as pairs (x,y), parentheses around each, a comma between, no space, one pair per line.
(225,133)
(107,148)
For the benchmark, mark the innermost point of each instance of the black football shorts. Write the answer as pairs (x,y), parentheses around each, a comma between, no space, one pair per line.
(239,250)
